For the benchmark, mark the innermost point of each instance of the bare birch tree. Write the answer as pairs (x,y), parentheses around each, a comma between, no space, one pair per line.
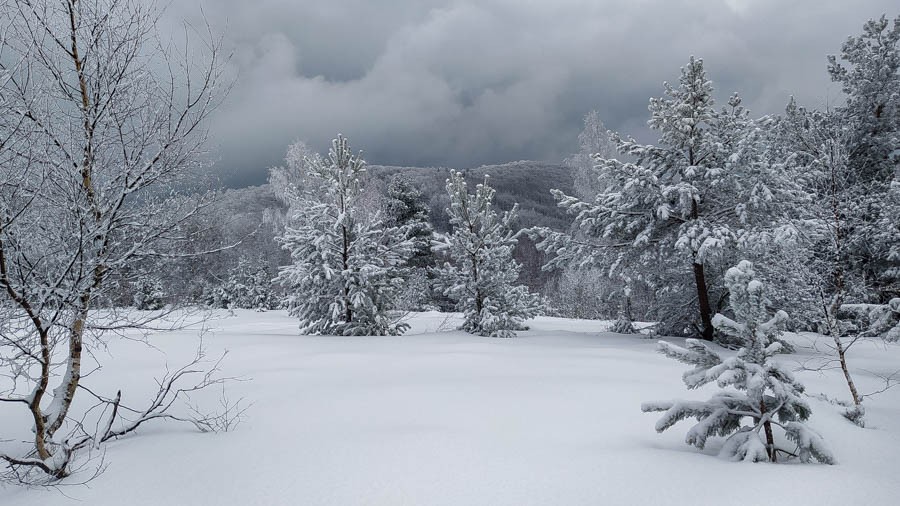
(101,121)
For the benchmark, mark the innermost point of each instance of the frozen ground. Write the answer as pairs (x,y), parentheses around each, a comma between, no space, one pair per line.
(438,417)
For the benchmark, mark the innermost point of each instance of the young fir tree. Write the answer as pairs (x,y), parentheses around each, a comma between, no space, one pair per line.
(755,387)
(345,274)
(482,277)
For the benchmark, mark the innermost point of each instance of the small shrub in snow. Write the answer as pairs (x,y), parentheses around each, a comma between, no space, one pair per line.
(623,325)
(755,387)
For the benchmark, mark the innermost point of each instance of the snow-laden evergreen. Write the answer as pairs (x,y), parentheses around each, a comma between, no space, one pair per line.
(675,216)
(482,277)
(346,264)
(405,207)
(755,387)
(868,71)
(887,237)
(148,293)
(248,286)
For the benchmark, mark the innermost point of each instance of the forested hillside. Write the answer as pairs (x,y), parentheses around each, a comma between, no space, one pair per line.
(526,182)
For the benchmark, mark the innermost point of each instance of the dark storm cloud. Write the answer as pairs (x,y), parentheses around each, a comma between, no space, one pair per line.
(463,83)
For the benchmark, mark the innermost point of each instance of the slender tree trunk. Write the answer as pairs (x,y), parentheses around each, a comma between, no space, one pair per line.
(850,384)
(65,392)
(770,439)
(835,331)
(831,312)
(627,302)
(345,262)
(703,300)
(34,406)
(479,302)
(700,280)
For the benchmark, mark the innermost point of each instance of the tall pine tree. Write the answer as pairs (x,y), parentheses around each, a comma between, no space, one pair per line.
(674,217)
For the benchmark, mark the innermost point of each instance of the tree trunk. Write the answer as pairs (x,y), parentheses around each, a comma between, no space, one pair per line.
(479,302)
(843,360)
(345,263)
(34,406)
(770,439)
(65,392)
(700,278)
(703,300)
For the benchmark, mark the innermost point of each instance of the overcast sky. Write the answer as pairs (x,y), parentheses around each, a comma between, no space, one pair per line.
(466,83)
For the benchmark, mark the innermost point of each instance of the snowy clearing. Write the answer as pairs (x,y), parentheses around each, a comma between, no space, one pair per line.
(440,417)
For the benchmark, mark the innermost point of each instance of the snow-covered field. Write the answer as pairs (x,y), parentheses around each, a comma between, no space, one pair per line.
(439,417)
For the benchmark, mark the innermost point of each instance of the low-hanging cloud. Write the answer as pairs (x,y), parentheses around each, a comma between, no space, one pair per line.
(464,83)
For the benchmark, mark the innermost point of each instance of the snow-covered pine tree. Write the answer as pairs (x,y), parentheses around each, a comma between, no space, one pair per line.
(869,122)
(754,386)
(676,216)
(623,325)
(214,295)
(248,286)
(404,206)
(483,273)
(148,293)
(869,73)
(345,273)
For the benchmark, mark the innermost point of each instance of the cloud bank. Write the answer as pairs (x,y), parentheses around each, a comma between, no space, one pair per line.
(465,83)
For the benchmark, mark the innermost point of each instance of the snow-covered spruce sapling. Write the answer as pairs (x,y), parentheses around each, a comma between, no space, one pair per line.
(483,274)
(755,387)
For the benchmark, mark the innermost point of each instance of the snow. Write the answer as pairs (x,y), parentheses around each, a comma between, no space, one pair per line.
(440,417)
